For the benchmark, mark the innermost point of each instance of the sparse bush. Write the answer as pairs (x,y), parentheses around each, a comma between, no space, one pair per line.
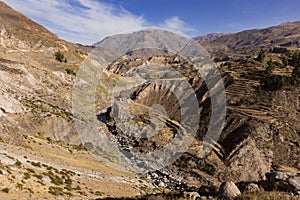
(40,135)
(18,163)
(19,186)
(30,170)
(38,176)
(56,191)
(70,71)
(275,82)
(60,56)
(27,176)
(56,180)
(5,190)
(36,164)
(244,75)
(285,61)
(29,190)
(270,67)
(98,193)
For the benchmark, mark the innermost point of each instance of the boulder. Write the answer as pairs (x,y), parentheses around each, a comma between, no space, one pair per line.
(191,195)
(295,183)
(252,187)
(228,190)
(284,181)
(279,176)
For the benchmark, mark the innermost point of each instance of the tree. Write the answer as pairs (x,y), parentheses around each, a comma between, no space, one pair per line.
(261,56)
(270,67)
(295,62)
(285,61)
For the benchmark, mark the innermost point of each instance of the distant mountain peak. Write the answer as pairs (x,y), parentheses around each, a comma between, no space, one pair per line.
(160,41)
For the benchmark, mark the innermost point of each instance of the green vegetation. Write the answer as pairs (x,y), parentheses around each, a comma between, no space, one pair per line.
(56,191)
(295,62)
(36,164)
(27,176)
(275,82)
(55,179)
(18,163)
(60,56)
(285,61)
(270,67)
(5,190)
(40,135)
(30,170)
(261,56)
(70,71)
(29,190)
(19,186)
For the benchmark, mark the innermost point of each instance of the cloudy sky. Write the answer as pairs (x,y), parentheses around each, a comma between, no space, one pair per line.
(88,21)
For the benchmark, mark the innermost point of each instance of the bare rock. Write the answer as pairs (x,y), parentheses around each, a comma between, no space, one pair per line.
(295,182)
(191,195)
(252,187)
(285,181)
(228,190)
(272,177)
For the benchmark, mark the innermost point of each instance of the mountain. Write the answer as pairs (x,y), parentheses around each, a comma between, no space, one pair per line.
(144,43)
(251,41)
(43,156)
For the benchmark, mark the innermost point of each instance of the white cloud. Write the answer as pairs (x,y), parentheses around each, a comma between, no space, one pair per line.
(177,25)
(86,24)
(88,21)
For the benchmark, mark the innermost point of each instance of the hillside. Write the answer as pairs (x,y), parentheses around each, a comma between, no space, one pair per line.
(41,155)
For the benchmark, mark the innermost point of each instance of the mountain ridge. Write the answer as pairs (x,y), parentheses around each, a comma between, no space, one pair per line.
(286,34)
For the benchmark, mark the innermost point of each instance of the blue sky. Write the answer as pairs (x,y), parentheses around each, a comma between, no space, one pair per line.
(88,21)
